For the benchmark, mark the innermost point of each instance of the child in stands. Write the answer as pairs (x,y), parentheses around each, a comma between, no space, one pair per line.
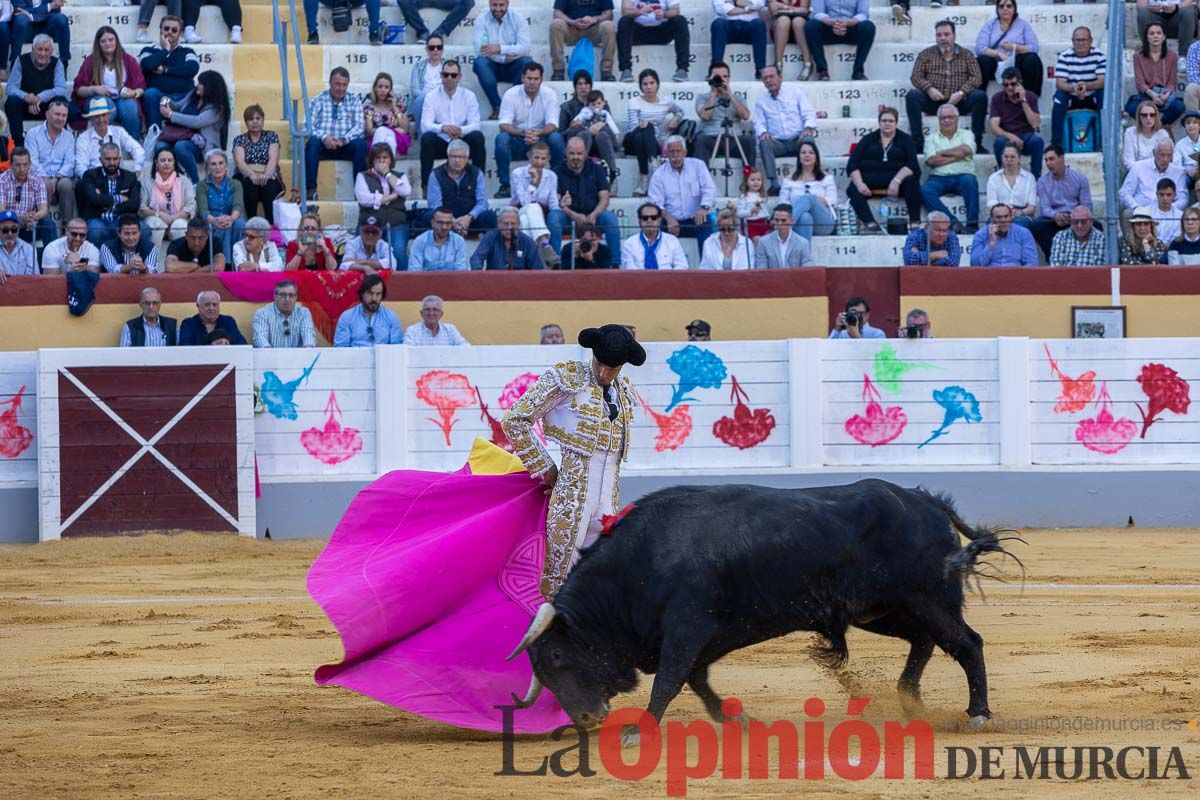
(752,204)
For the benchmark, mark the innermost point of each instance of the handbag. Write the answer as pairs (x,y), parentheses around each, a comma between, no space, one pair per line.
(172,133)
(847,220)
(341,16)
(287,214)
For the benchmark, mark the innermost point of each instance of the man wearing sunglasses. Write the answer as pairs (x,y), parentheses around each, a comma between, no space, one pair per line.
(16,257)
(450,113)
(71,253)
(370,322)
(170,70)
(651,247)
(283,323)
(1015,118)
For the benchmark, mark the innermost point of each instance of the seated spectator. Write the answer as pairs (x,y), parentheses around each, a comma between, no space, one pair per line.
(283,323)
(1165,212)
(381,193)
(195,252)
(111,73)
(528,114)
(146,13)
(450,114)
(1013,186)
(1008,39)
(169,69)
(458,10)
(507,247)
(460,187)
(884,158)
(384,118)
(653,22)
(25,194)
(197,123)
(699,331)
(1188,145)
(100,132)
(583,19)
(738,21)
(1141,244)
(208,319)
(44,19)
(431,331)
(1059,191)
(597,127)
(1177,18)
(1183,252)
(729,249)
(752,203)
(368,252)
(256,156)
(648,123)
(787,22)
(256,252)
(782,248)
(337,130)
(107,192)
(1191,92)
(231,15)
(1142,137)
(1140,187)
(581,83)
(716,107)
(1155,74)
(370,322)
(950,162)
(651,247)
(1081,244)
(72,253)
(168,199)
(1078,80)
(219,203)
(374,22)
(811,193)
(840,22)
(37,77)
(586,251)
(311,249)
(129,252)
(916,325)
(1002,244)
(502,45)
(551,334)
(854,322)
(684,189)
(52,150)
(439,249)
(946,73)
(934,245)
(782,117)
(426,76)
(1015,119)
(535,195)
(150,329)
(16,255)
(584,192)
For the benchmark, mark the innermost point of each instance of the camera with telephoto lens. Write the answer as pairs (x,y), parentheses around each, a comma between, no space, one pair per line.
(716,81)
(585,246)
(853,318)
(913,332)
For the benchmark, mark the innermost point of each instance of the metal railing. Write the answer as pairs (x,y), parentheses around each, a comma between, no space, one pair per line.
(1114,82)
(299,127)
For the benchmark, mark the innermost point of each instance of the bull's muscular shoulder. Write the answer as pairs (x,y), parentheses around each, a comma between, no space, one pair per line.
(571,375)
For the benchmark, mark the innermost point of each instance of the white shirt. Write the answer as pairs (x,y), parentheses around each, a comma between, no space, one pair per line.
(1140,187)
(790,191)
(1022,193)
(441,109)
(87,148)
(357,251)
(417,335)
(648,20)
(1167,228)
(524,193)
(1183,154)
(682,192)
(785,115)
(56,252)
(1138,147)
(670,253)
(519,109)
(722,8)
(714,258)
(268,259)
(510,32)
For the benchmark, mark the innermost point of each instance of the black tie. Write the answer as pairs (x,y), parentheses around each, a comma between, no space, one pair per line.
(611,403)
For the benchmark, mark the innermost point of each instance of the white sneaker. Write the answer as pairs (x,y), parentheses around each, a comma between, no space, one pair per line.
(190,36)
(235,34)
(143,35)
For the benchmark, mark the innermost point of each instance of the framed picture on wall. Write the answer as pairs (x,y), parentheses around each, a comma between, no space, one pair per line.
(1097,322)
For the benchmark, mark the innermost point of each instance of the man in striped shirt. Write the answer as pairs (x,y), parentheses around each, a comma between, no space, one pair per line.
(431,331)
(1079,80)
(150,329)
(283,323)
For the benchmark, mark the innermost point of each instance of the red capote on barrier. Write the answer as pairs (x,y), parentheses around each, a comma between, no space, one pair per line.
(325,294)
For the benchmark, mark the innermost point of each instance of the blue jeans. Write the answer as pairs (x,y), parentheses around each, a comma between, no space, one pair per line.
(397,236)
(509,147)
(818,34)
(1172,111)
(310,11)
(966,186)
(490,74)
(411,9)
(1034,146)
(606,221)
(1064,102)
(186,155)
(315,152)
(811,216)
(688,229)
(5,39)
(151,102)
(55,26)
(740,31)
(224,240)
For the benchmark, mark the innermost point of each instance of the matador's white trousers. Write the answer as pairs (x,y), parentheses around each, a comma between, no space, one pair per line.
(588,488)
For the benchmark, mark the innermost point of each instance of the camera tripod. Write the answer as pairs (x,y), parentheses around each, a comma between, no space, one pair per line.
(728,133)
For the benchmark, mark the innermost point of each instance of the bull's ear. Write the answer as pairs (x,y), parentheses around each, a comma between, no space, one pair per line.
(541,621)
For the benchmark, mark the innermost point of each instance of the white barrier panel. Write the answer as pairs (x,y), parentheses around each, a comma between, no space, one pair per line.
(18,417)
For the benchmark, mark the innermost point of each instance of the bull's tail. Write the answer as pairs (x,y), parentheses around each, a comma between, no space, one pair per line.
(967,561)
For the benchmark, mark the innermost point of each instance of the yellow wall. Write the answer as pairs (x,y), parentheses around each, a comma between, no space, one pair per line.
(1049,316)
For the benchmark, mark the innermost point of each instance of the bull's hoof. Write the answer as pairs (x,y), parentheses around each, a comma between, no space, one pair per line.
(742,719)
(911,704)
(977,722)
(630,737)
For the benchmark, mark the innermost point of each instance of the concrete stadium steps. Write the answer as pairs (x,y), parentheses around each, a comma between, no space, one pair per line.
(85,19)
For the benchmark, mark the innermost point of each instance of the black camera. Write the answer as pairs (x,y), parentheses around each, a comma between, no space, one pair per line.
(585,246)
(853,318)
(913,332)
(716,81)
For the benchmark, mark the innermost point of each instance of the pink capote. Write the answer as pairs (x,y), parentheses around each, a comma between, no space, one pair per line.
(431,579)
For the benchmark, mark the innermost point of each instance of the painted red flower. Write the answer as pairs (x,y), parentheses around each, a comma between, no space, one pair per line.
(15,438)
(746,428)
(446,392)
(673,428)
(1166,392)
(499,437)
(1076,392)
(876,425)
(1104,434)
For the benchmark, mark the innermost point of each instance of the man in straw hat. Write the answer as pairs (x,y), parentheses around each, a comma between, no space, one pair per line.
(100,130)
(587,408)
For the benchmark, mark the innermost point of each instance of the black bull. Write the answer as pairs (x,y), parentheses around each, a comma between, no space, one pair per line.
(693,573)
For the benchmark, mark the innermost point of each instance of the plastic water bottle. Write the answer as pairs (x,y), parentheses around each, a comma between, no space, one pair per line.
(884,210)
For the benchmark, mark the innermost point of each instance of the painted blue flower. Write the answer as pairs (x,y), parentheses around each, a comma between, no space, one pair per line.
(959,404)
(696,368)
(279,397)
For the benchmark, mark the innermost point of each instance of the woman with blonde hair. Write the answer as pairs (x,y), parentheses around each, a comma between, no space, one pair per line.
(1185,250)
(1141,244)
(729,249)
(1146,132)
(385,119)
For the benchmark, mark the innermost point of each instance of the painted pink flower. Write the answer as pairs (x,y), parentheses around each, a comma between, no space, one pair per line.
(1104,434)
(876,425)
(515,389)
(332,444)
(15,438)
(1166,390)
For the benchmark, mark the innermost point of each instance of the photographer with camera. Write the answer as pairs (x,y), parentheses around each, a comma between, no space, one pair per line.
(587,250)
(916,326)
(853,322)
(720,109)
(311,249)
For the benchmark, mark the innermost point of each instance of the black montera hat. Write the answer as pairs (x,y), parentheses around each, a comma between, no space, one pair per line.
(613,345)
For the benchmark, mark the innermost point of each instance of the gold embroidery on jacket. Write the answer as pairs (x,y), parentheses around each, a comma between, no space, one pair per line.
(562,522)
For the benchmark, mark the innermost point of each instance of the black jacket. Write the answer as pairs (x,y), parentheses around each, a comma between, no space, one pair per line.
(137,333)
(93,198)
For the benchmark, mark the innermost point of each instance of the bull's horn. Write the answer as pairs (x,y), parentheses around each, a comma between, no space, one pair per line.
(531,696)
(541,621)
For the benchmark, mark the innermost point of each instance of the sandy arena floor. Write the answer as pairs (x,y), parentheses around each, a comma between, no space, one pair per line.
(182,666)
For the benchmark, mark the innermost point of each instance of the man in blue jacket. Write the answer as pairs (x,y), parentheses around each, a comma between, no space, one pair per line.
(193,329)
(170,70)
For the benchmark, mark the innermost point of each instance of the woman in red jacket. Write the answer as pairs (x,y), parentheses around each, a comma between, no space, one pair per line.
(110,72)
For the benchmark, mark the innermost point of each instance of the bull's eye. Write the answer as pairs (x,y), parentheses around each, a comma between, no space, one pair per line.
(556,657)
